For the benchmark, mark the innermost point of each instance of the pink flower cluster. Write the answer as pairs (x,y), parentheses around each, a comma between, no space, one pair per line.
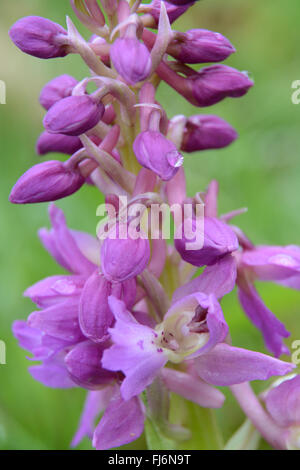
(130,317)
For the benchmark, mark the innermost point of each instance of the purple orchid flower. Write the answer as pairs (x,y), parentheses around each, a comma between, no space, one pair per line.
(194,328)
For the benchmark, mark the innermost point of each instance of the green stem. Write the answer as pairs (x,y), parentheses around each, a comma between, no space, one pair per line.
(206,434)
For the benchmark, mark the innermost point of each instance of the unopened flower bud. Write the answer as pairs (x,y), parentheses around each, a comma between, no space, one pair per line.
(155,152)
(198,46)
(47,181)
(123,259)
(204,132)
(57,89)
(60,143)
(131,59)
(212,84)
(39,37)
(73,115)
(218,240)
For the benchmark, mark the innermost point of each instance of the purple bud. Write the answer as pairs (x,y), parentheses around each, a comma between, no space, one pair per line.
(219,239)
(198,46)
(155,152)
(173,11)
(131,59)
(204,132)
(73,115)
(212,84)
(44,182)
(57,89)
(57,143)
(123,259)
(39,37)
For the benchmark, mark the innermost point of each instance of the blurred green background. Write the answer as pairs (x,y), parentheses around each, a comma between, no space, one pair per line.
(261,171)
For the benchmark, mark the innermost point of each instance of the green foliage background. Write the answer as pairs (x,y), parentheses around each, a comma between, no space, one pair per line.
(260,171)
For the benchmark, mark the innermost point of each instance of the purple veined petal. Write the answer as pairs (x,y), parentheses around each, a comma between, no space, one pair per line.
(273,263)
(226,365)
(84,365)
(283,402)
(60,321)
(218,279)
(95,316)
(42,346)
(62,245)
(131,59)
(122,422)
(29,338)
(133,352)
(192,388)
(96,401)
(272,329)
(57,89)
(52,373)
(218,240)
(55,289)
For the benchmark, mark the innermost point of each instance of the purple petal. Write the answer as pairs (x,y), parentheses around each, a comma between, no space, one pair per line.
(94,404)
(52,373)
(192,388)
(272,329)
(95,316)
(133,352)
(62,245)
(46,181)
(218,279)
(60,321)
(218,239)
(55,289)
(227,365)
(122,422)
(273,263)
(122,259)
(84,365)
(131,59)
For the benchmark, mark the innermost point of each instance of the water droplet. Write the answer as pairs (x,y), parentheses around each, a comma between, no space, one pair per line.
(174,158)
